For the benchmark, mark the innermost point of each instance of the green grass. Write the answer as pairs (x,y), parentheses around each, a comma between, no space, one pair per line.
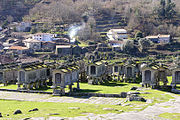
(170,116)
(83,44)
(7,107)
(45,108)
(13,87)
(45,89)
(112,88)
(109,88)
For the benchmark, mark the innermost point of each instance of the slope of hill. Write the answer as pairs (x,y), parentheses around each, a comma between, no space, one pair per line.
(14,10)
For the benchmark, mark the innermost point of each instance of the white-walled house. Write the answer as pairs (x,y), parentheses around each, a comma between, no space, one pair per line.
(44,36)
(117,34)
(32,44)
(160,38)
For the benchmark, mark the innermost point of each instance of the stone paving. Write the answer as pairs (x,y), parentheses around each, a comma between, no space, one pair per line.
(150,113)
(49,98)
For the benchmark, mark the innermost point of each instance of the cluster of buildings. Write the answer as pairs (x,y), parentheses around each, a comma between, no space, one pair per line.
(117,38)
(36,74)
(128,70)
(40,42)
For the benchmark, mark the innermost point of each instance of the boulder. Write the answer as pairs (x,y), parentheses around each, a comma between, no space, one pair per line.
(1,115)
(17,112)
(134,88)
(35,109)
(135,97)
(123,94)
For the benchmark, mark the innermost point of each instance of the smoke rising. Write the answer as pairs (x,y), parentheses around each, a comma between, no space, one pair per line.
(73,30)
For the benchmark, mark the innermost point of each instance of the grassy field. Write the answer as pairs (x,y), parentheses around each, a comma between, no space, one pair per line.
(47,108)
(170,116)
(113,88)
(110,88)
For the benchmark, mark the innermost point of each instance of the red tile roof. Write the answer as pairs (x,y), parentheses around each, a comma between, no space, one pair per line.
(18,48)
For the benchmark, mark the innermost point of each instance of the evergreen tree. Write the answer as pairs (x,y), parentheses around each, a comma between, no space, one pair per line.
(170,12)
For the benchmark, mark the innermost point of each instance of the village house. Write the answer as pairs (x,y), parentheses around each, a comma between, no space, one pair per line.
(63,50)
(44,36)
(23,27)
(160,38)
(48,45)
(19,49)
(117,34)
(61,41)
(32,44)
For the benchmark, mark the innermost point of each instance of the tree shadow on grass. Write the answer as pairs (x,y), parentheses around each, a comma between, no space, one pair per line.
(88,91)
(168,89)
(43,88)
(113,84)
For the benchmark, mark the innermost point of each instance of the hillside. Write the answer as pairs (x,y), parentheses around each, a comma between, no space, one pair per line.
(133,15)
(14,10)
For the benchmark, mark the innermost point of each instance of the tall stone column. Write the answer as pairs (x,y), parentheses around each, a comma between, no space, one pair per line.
(78,86)
(153,79)
(173,83)
(62,90)
(70,88)
(19,85)
(143,77)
